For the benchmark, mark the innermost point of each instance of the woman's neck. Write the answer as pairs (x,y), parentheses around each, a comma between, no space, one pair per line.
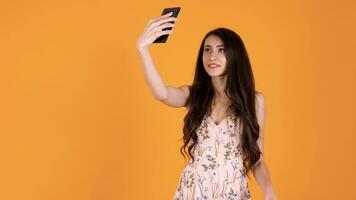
(219,84)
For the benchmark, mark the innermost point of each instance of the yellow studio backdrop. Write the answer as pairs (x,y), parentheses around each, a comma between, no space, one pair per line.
(78,120)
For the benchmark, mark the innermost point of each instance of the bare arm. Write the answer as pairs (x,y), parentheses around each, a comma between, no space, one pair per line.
(260,170)
(152,76)
(169,95)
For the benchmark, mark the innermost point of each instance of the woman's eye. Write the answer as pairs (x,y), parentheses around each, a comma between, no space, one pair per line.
(221,50)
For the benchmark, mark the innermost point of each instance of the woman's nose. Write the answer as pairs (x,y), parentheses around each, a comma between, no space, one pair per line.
(212,56)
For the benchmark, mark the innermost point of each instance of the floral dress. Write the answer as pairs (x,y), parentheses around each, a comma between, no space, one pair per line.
(217,171)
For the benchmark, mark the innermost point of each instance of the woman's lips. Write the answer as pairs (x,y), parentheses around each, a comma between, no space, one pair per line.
(213,65)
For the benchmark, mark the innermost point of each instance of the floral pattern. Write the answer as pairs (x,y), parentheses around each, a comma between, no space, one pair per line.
(217,171)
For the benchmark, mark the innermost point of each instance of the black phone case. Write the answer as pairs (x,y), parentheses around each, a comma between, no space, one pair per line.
(163,38)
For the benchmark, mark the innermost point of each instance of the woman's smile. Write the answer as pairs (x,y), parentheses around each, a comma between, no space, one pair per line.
(213,65)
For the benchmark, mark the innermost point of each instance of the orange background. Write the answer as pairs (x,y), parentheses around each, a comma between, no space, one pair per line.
(78,120)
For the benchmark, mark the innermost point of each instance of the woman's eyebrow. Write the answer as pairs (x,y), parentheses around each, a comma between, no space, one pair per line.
(219,45)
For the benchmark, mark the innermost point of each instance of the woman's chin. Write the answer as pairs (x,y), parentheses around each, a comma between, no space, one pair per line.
(217,71)
(215,74)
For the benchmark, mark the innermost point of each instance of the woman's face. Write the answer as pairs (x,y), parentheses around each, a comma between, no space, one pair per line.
(214,59)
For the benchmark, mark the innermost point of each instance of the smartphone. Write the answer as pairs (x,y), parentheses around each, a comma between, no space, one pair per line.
(163,38)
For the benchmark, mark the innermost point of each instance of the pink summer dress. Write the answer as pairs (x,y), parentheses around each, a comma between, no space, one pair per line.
(217,172)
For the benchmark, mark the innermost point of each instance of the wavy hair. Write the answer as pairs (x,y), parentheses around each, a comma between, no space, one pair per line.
(240,89)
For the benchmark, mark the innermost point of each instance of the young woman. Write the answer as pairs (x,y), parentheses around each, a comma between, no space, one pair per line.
(223,129)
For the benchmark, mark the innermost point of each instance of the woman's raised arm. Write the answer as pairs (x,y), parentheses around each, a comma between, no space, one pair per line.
(169,95)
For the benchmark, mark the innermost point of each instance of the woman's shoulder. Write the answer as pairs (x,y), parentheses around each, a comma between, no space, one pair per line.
(259,95)
(260,100)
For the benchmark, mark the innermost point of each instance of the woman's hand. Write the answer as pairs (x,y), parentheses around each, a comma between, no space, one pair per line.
(154,29)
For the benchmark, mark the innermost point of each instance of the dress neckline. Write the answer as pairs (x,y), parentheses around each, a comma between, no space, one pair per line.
(226,118)
(219,123)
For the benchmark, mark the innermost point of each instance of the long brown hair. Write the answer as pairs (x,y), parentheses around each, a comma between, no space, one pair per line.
(240,89)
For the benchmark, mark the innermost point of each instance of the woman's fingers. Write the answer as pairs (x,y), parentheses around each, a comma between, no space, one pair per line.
(159,18)
(161,30)
(169,19)
(152,23)
(160,33)
(155,26)
(157,30)
(163,16)
(154,29)
(161,21)
(166,25)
